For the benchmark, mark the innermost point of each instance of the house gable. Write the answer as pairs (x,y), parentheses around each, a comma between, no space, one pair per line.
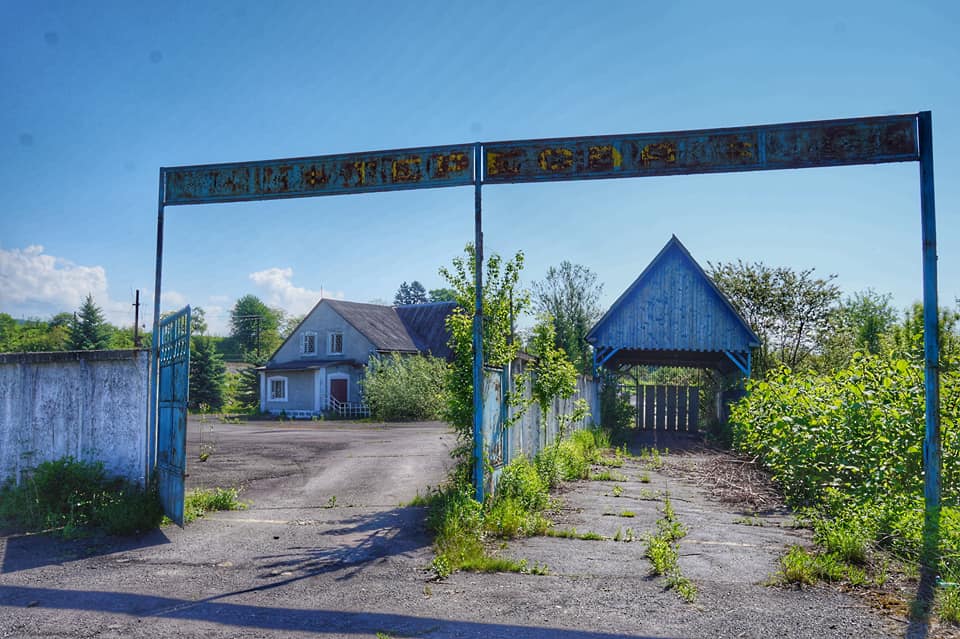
(322,322)
(673,306)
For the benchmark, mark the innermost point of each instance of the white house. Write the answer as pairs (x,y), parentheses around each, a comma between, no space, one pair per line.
(319,366)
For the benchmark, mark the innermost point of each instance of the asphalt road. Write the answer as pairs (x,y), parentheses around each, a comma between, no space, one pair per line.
(326,549)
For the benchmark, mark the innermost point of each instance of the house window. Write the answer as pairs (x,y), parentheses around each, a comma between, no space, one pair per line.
(277,389)
(308,344)
(336,344)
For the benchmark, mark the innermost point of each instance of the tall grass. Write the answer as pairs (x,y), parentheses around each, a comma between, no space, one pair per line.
(462,526)
(73,498)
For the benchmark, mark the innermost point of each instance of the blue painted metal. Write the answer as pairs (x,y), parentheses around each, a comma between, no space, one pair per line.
(673,306)
(754,148)
(174,387)
(931,354)
(155,342)
(781,146)
(425,167)
(741,361)
(608,355)
(478,329)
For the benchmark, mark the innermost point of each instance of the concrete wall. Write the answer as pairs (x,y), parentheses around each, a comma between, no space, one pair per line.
(91,405)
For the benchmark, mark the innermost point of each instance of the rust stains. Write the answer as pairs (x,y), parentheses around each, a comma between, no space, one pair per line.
(555,159)
(504,163)
(604,157)
(658,153)
(406,170)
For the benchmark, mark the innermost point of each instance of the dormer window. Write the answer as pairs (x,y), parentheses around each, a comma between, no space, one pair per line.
(308,343)
(335,345)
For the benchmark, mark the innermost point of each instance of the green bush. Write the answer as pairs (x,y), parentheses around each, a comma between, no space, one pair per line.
(848,446)
(405,387)
(74,497)
(521,482)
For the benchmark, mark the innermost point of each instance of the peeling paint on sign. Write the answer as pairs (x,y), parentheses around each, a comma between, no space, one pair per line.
(756,148)
(323,175)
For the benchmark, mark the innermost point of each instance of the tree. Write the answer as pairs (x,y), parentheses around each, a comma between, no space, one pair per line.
(906,338)
(207,374)
(412,293)
(554,374)
(255,325)
(862,322)
(290,324)
(198,321)
(501,300)
(789,311)
(570,295)
(443,295)
(89,331)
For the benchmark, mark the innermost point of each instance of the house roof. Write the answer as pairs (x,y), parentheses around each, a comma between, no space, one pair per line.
(427,324)
(414,328)
(673,306)
(379,324)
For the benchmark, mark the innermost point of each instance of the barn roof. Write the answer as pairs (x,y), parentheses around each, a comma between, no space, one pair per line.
(673,314)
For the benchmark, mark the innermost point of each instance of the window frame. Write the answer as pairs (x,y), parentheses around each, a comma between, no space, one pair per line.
(303,344)
(331,336)
(286,388)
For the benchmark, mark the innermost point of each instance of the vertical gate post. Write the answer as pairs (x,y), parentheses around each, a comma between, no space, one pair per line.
(155,345)
(478,328)
(931,349)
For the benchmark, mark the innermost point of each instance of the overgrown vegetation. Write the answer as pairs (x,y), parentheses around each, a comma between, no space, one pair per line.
(201,501)
(503,298)
(662,551)
(73,498)
(405,387)
(464,528)
(846,448)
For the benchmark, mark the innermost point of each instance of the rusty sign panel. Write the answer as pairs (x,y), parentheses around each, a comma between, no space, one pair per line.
(426,167)
(754,148)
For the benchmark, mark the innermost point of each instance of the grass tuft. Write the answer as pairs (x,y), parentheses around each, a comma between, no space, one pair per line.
(201,501)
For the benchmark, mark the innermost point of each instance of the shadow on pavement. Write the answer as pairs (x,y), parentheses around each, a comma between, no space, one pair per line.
(277,618)
(23,552)
(356,541)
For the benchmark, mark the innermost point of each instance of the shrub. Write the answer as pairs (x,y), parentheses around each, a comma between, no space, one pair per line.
(405,387)
(76,497)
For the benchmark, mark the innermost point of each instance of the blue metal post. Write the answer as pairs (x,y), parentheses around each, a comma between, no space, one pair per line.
(478,328)
(931,349)
(155,345)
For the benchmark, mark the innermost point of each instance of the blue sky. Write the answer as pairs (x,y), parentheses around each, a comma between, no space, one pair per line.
(97,96)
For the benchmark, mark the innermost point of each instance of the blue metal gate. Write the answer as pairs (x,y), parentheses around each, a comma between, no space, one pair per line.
(174,390)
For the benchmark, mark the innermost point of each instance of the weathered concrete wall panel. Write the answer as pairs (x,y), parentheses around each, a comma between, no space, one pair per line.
(88,405)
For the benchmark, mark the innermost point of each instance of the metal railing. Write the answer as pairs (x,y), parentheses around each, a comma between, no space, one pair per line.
(348,409)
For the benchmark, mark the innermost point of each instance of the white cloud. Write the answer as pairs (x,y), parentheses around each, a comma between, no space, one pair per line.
(172,300)
(218,317)
(36,284)
(277,283)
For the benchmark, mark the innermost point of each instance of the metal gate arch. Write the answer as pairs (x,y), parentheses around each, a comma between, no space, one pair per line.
(793,145)
(174,392)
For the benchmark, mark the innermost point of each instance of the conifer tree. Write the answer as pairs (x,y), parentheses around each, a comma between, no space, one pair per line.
(207,374)
(89,331)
